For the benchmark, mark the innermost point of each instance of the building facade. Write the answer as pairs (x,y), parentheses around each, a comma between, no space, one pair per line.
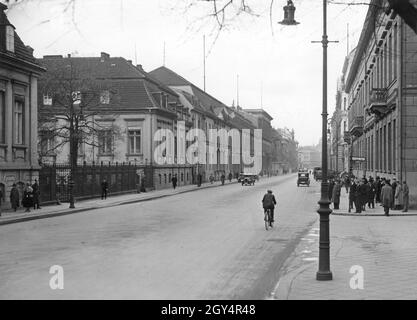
(19,73)
(382,94)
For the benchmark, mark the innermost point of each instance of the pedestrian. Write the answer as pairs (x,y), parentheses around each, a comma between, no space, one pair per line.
(1,199)
(230,177)
(406,196)
(36,195)
(199,179)
(27,200)
(331,186)
(371,194)
(386,197)
(398,198)
(393,186)
(14,197)
(174,181)
(364,191)
(358,197)
(211,178)
(104,189)
(222,178)
(378,187)
(352,195)
(336,195)
(347,183)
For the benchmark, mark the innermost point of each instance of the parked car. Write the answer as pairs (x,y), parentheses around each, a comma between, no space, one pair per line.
(303,178)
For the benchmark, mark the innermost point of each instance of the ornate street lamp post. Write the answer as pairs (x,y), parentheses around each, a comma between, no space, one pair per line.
(324,211)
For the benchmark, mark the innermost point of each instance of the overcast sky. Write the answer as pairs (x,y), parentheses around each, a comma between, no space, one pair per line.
(277,66)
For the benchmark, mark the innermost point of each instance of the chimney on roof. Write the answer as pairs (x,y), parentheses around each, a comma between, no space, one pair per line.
(104,56)
(30,50)
(139,66)
(69,55)
(3,7)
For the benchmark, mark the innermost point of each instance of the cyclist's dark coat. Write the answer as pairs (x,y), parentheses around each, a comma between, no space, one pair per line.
(269,201)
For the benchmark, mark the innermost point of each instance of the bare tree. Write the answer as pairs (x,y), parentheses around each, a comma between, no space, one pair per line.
(69,102)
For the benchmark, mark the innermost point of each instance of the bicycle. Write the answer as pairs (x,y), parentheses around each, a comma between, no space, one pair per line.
(268,219)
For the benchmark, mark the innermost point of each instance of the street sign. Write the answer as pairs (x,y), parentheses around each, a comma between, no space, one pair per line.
(358,159)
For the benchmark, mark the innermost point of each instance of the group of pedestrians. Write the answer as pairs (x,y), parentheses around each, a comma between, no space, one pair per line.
(367,192)
(30,197)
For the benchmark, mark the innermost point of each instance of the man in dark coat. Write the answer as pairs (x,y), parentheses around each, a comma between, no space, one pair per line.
(230,177)
(222,178)
(336,195)
(331,186)
(378,187)
(358,197)
(27,200)
(364,190)
(386,197)
(269,202)
(352,195)
(36,195)
(406,196)
(393,187)
(104,189)
(174,181)
(371,194)
(14,197)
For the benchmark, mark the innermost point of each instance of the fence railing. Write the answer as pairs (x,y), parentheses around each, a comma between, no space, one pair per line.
(121,178)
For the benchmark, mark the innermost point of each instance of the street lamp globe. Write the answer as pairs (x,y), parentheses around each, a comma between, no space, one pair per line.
(289,11)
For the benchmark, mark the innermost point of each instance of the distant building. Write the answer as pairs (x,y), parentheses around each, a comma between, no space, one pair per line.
(19,73)
(309,157)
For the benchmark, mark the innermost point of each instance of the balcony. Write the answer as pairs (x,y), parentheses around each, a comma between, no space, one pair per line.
(356,126)
(346,137)
(378,102)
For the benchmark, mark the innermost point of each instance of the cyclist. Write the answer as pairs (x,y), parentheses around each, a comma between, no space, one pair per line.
(269,202)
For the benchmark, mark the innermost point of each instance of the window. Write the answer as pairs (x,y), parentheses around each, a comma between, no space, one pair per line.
(105,97)
(134,141)
(394,146)
(47,142)
(47,100)
(389,147)
(76,97)
(344,103)
(10,38)
(2,118)
(18,130)
(105,141)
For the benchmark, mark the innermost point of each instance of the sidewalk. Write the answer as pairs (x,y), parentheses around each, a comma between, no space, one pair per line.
(378,211)
(385,248)
(9,216)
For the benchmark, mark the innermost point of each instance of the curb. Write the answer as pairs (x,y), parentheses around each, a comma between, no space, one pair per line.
(372,214)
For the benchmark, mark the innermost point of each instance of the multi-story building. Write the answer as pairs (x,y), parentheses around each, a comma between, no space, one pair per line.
(119,108)
(339,134)
(19,73)
(382,94)
(285,151)
(211,114)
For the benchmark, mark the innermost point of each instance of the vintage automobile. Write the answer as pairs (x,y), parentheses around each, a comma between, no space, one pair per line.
(303,178)
(248,179)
